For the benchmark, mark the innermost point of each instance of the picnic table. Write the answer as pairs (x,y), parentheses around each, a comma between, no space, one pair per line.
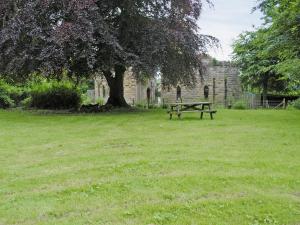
(200,107)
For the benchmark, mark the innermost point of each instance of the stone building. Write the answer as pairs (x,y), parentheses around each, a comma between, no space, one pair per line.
(134,91)
(219,84)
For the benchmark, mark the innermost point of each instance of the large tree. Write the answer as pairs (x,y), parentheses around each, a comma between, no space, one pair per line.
(257,66)
(269,57)
(85,36)
(282,19)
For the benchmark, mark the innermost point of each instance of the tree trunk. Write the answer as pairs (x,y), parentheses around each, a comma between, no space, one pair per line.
(116,87)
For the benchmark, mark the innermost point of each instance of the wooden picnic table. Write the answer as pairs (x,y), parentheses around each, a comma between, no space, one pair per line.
(189,107)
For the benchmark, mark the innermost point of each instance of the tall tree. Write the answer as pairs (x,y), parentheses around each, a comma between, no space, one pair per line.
(282,17)
(85,36)
(156,35)
(269,57)
(256,64)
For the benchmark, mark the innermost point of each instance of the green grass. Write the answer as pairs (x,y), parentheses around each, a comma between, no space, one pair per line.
(141,168)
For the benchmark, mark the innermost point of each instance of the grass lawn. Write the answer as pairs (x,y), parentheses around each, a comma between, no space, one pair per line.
(141,168)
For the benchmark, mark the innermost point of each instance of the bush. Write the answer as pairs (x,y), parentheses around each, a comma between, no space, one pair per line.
(297,104)
(100,101)
(8,93)
(26,103)
(55,95)
(14,93)
(5,101)
(86,100)
(240,105)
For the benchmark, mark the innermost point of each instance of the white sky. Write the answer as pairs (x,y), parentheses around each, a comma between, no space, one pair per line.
(226,20)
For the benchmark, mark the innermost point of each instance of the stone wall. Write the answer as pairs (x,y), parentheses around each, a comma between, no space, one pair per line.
(221,80)
(134,91)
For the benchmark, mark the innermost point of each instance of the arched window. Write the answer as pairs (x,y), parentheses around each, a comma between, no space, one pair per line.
(98,90)
(103,92)
(206,91)
(178,93)
(148,93)
(214,90)
(225,91)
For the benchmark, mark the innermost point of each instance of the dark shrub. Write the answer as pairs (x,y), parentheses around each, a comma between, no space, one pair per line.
(55,95)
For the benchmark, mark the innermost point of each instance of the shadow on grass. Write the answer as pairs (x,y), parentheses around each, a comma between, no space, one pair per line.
(115,111)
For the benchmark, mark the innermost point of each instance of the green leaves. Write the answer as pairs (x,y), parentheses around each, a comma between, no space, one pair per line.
(272,52)
(87,36)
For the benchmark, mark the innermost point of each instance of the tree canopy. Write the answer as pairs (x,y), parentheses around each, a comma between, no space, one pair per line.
(269,57)
(86,36)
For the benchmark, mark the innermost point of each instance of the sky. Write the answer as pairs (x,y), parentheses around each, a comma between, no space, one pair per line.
(226,20)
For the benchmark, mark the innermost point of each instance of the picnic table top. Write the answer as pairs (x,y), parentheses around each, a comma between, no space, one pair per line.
(190,103)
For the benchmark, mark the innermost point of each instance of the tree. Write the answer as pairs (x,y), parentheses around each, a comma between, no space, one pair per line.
(50,36)
(156,35)
(85,36)
(269,57)
(256,64)
(283,21)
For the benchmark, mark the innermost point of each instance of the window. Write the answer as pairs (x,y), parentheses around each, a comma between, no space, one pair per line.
(206,91)
(225,91)
(103,92)
(178,93)
(214,90)
(148,93)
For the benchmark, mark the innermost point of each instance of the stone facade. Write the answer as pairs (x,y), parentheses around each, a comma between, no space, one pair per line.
(134,91)
(219,84)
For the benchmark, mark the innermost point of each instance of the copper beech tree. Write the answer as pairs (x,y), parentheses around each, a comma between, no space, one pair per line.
(87,36)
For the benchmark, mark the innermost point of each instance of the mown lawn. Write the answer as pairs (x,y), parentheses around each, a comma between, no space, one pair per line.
(140,168)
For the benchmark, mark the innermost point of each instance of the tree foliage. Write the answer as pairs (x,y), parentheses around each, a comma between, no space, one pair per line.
(50,36)
(85,36)
(270,56)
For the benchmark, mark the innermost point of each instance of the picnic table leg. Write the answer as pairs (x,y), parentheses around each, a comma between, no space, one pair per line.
(178,111)
(171,112)
(211,114)
(202,108)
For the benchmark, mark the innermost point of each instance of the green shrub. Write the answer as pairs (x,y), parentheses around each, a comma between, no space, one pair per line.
(5,101)
(240,105)
(86,100)
(18,94)
(5,95)
(14,93)
(55,95)
(297,104)
(100,101)
(141,105)
(26,103)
